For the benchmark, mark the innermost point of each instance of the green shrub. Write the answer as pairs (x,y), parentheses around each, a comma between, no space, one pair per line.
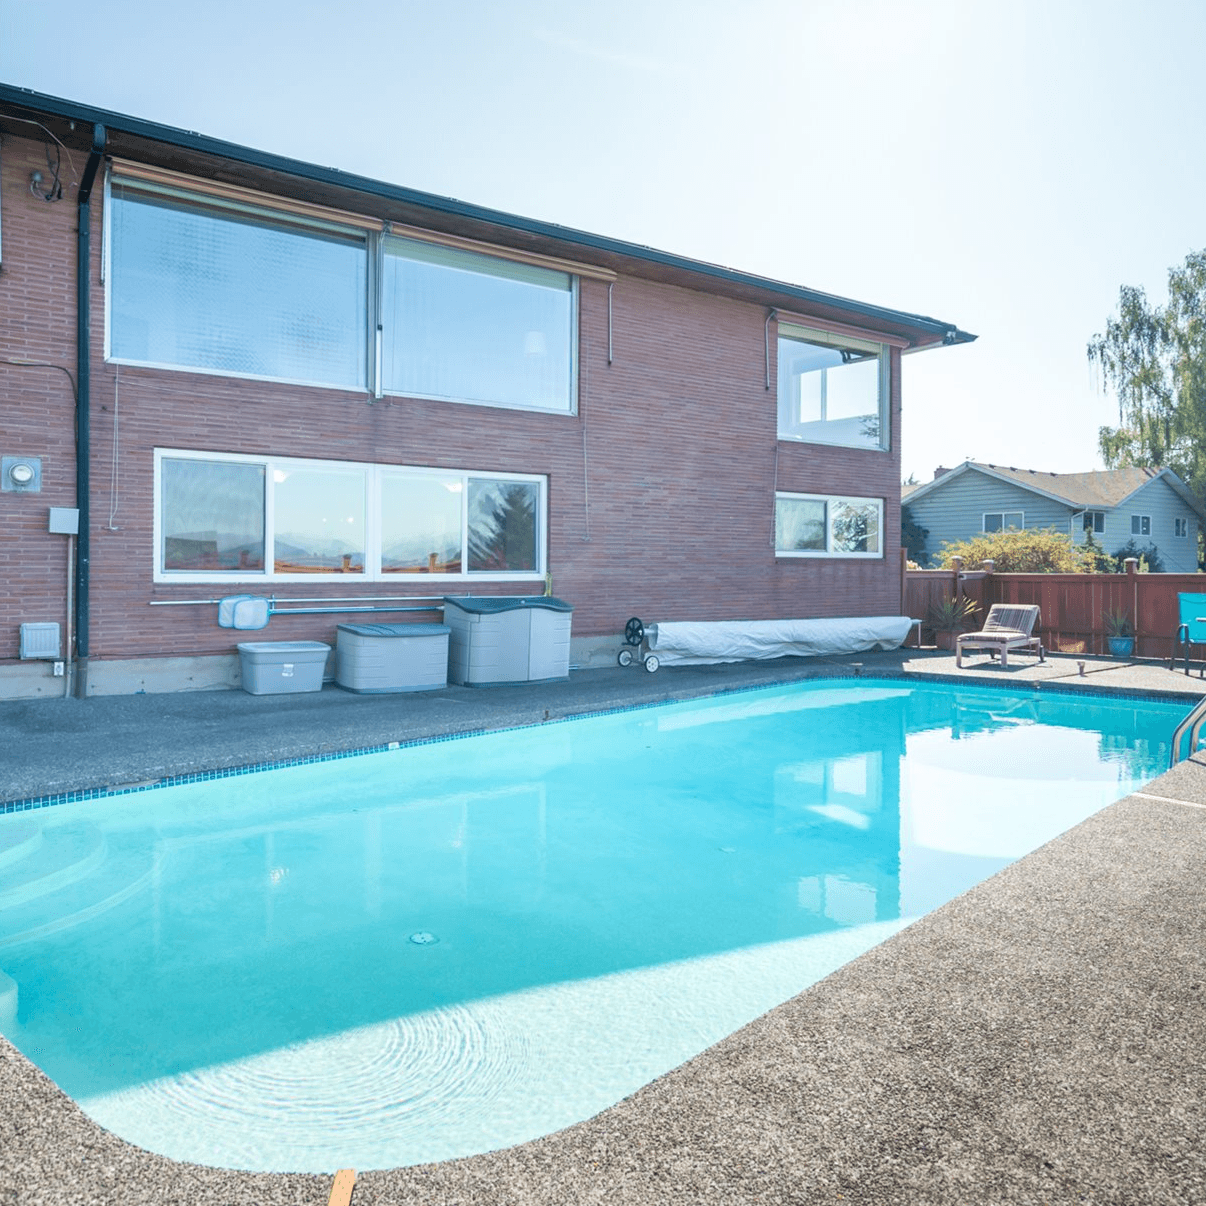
(1024,551)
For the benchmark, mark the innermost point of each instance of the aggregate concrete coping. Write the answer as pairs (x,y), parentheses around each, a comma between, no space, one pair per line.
(1038,1039)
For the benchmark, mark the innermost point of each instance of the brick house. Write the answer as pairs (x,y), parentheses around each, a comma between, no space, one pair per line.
(299,383)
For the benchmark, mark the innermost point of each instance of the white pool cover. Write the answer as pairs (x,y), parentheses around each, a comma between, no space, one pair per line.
(691,643)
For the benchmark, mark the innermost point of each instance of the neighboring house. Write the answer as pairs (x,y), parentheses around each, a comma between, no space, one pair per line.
(1152,507)
(303,383)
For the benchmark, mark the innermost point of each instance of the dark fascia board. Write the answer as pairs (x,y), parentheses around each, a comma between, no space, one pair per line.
(920,329)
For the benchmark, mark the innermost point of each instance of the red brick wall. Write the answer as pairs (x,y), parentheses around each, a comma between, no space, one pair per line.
(661,489)
(37,405)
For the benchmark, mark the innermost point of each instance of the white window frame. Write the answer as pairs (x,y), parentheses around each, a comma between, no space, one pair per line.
(572,409)
(1094,521)
(829,551)
(372,523)
(1141,525)
(1003,528)
(374,235)
(1181,527)
(821,338)
(283,218)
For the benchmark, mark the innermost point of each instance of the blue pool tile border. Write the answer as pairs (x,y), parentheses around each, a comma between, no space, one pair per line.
(254,768)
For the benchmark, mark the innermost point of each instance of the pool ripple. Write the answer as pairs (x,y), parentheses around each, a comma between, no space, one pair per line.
(390,1083)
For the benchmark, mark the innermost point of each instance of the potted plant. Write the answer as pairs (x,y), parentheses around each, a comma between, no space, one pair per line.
(949,617)
(1120,632)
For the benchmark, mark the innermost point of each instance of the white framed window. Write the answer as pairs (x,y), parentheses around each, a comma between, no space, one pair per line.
(1095,521)
(1180,526)
(460,326)
(224,517)
(1141,525)
(999,521)
(832,389)
(213,286)
(818,525)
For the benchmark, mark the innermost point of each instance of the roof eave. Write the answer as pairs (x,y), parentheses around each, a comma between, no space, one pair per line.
(920,330)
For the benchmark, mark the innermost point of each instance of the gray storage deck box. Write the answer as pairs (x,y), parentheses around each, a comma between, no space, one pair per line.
(380,658)
(280,667)
(507,640)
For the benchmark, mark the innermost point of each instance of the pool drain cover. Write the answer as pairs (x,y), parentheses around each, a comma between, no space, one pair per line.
(423,938)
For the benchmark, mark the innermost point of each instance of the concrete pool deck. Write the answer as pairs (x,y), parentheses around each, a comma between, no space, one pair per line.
(1038,1039)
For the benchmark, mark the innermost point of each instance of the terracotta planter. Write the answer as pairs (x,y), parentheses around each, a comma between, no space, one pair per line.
(945,640)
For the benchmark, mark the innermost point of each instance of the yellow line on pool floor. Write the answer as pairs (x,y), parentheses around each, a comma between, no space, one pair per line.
(1169,800)
(341,1187)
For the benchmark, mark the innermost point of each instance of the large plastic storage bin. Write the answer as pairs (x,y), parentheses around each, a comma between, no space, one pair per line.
(383,658)
(502,641)
(282,667)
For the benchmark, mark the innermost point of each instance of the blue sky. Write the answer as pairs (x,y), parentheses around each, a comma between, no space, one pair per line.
(1003,166)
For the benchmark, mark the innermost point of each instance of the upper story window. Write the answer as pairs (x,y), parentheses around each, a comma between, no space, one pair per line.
(1094,521)
(1180,526)
(205,277)
(213,286)
(832,389)
(998,521)
(221,517)
(1141,525)
(816,525)
(465,327)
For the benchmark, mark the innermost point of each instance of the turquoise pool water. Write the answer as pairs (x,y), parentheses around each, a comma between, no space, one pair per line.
(448,948)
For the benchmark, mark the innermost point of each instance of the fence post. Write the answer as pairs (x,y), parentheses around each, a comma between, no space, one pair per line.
(1132,572)
(957,569)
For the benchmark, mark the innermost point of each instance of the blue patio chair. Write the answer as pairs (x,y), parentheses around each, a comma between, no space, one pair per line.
(1192,629)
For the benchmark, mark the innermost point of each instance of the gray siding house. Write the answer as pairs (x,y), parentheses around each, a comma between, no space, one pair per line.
(1148,506)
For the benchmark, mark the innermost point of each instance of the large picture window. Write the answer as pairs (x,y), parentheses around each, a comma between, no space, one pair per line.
(815,525)
(466,327)
(246,518)
(832,389)
(219,288)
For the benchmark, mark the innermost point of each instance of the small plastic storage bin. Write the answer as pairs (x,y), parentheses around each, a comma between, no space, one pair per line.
(507,640)
(282,667)
(381,658)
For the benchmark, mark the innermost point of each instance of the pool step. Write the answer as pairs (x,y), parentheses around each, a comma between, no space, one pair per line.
(59,857)
(67,876)
(18,839)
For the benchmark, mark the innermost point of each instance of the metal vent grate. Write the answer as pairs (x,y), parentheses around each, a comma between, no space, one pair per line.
(40,640)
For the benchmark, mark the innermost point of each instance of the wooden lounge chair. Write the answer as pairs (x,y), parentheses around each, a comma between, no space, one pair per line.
(1009,626)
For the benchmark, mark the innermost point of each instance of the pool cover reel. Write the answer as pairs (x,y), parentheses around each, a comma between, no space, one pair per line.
(701,643)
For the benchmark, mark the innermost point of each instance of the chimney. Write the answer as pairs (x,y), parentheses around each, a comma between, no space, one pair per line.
(939,472)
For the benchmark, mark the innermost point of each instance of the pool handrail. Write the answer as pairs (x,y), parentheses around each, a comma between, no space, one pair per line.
(1194,722)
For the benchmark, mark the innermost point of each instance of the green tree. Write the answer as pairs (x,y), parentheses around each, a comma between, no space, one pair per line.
(1020,551)
(913,536)
(1153,359)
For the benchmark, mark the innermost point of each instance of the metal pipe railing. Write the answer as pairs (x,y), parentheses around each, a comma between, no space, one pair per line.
(1193,722)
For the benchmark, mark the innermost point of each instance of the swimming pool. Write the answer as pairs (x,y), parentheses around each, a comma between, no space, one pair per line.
(452,947)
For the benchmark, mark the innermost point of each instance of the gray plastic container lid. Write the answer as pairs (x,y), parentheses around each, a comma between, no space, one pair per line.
(283,647)
(484,605)
(395,630)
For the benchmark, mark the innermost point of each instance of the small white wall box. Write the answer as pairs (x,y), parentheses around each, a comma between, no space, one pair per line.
(500,641)
(65,521)
(40,640)
(380,658)
(282,667)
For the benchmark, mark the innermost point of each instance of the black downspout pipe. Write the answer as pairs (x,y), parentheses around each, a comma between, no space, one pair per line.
(83,413)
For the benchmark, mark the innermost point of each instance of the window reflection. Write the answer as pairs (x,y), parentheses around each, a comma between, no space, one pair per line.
(212,515)
(319,521)
(473,328)
(421,524)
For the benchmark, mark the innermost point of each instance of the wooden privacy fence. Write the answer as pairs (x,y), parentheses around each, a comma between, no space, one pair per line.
(1071,605)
